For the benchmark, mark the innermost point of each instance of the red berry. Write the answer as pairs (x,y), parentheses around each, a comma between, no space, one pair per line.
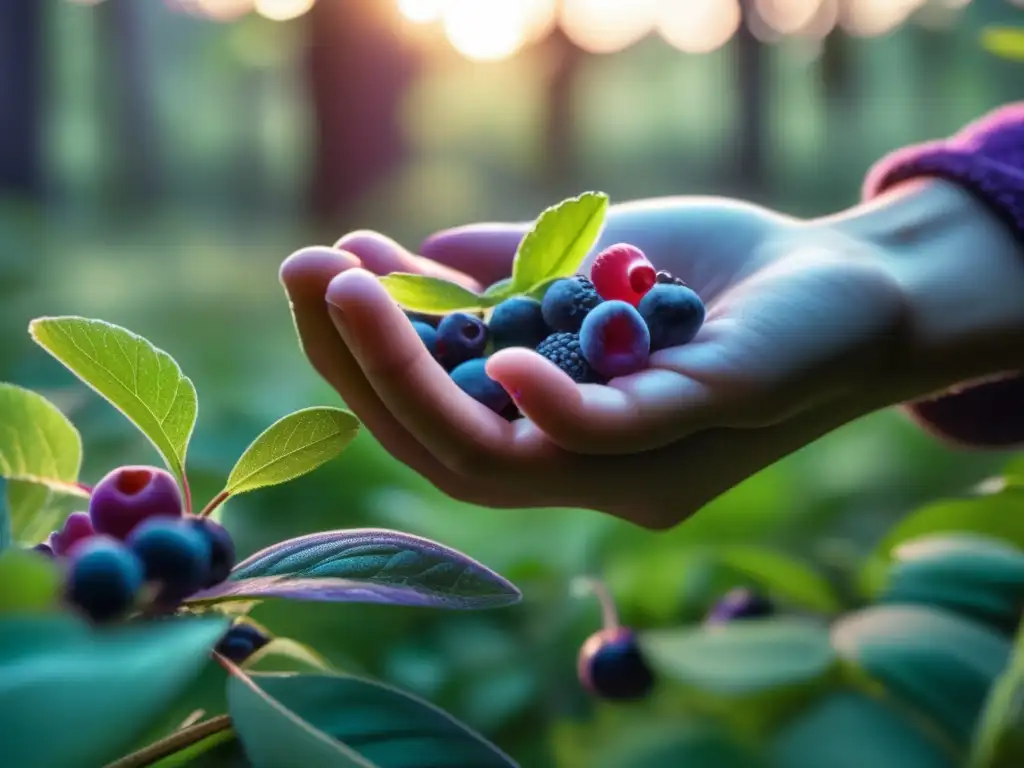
(622,272)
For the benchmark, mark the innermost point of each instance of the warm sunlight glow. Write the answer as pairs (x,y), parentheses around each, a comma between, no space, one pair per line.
(876,17)
(223,10)
(541,17)
(485,31)
(606,26)
(282,10)
(787,16)
(698,26)
(420,11)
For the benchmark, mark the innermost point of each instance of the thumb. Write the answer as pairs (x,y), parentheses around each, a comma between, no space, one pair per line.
(482,251)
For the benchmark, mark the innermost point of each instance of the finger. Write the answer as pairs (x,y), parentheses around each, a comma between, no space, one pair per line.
(482,251)
(306,275)
(382,256)
(463,434)
(633,413)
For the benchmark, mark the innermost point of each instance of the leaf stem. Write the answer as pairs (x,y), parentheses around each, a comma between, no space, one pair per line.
(177,741)
(86,489)
(590,585)
(187,492)
(215,502)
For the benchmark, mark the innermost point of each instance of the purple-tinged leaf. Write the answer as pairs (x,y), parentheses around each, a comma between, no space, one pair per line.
(365,565)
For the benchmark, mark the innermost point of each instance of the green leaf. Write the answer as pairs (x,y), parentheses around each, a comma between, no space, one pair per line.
(1005,42)
(744,660)
(846,729)
(285,655)
(273,736)
(36,510)
(677,745)
(432,295)
(999,737)
(921,655)
(143,382)
(293,446)
(386,727)
(70,695)
(559,241)
(38,445)
(219,750)
(783,576)
(29,582)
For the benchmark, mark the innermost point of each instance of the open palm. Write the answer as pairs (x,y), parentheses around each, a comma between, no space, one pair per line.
(797,327)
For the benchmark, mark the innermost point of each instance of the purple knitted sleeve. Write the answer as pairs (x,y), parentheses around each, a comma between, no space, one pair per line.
(986,158)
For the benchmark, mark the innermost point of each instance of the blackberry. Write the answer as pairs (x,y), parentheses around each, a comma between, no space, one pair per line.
(567,302)
(563,349)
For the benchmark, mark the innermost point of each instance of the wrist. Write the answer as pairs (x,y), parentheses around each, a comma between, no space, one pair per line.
(961,272)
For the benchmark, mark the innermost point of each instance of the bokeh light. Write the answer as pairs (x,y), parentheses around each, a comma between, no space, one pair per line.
(607,26)
(282,10)
(787,16)
(869,18)
(698,26)
(483,31)
(420,11)
(223,10)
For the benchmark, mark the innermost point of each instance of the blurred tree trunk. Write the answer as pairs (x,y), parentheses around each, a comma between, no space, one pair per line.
(21,43)
(358,71)
(133,140)
(566,61)
(753,83)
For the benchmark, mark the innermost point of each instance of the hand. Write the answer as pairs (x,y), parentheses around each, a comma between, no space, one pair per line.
(800,329)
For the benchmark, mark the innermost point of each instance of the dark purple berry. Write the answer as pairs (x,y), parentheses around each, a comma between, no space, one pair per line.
(615,340)
(174,554)
(563,349)
(471,377)
(222,549)
(103,578)
(567,302)
(460,337)
(428,335)
(673,313)
(128,495)
(240,642)
(738,604)
(611,666)
(518,322)
(77,527)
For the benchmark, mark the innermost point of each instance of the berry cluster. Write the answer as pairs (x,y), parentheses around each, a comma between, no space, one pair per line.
(594,329)
(136,546)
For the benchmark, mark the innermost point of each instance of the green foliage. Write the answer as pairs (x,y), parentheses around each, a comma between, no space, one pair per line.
(73,696)
(292,446)
(783,576)
(555,247)
(29,583)
(1004,42)
(143,382)
(999,740)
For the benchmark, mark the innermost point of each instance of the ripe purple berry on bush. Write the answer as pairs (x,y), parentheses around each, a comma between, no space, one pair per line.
(471,377)
(240,642)
(460,337)
(739,604)
(518,322)
(673,313)
(612,666)
(615,340)
(174,554)
(567,302)
(77,527)
(127,496)
(103,578)
(222,549)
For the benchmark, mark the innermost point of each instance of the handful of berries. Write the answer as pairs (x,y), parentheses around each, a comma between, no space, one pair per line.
(593,328)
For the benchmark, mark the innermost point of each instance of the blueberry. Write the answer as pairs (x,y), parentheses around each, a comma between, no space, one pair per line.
(567,302)
(673,313)
(240,642)
(615,340)
(460,337)
(104,577)
(739,604)
(222,549)
(77,527)
(611,666)
(128,495)
(518,322)
(428,335)
(471,377)
(174,554)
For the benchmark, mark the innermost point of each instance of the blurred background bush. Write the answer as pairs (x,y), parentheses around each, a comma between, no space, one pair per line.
(158,159)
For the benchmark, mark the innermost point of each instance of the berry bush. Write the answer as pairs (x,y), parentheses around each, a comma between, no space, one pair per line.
(124,631)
